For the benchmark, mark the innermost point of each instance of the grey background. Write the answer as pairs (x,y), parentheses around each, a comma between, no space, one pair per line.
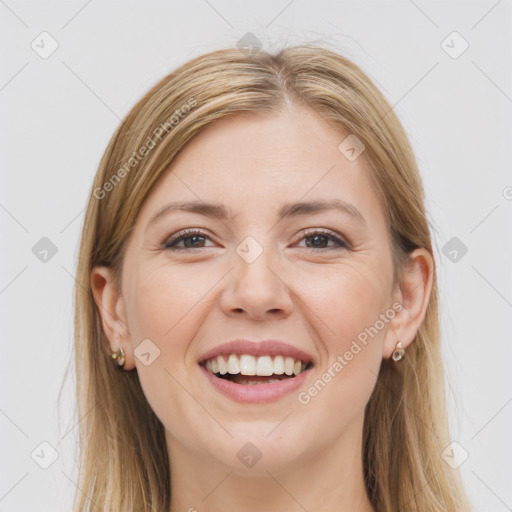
(58,113)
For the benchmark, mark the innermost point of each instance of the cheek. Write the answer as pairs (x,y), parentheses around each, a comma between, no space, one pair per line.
(349,302)
(163,304)
(350,305)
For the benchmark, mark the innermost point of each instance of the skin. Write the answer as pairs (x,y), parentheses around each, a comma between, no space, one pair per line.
(315,297)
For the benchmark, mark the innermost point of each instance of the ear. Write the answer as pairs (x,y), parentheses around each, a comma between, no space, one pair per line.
(412,292)
(111,308)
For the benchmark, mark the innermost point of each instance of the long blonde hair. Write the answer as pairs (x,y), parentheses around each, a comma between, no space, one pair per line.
(123,459)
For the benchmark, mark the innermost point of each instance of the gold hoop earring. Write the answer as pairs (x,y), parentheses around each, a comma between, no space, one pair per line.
(399,352)
(119,356)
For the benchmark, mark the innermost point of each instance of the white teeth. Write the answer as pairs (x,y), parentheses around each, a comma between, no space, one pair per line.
(263,366)
(233,365)
(223,367)
(289,364)
(278,365)
(248,365)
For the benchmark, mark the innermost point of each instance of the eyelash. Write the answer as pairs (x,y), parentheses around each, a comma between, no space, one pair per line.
(189,233)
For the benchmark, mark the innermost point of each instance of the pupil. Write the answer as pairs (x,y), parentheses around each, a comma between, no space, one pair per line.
(190,238)
(316,238)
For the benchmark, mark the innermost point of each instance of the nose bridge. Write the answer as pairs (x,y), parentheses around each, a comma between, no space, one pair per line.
(258,285)
(255,257)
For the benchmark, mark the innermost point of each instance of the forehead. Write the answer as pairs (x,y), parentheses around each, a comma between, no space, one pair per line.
(255,164)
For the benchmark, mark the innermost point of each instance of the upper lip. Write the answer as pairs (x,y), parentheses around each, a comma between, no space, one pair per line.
(257,348)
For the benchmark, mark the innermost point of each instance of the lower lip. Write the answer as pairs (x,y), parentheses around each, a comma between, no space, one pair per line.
(256,393)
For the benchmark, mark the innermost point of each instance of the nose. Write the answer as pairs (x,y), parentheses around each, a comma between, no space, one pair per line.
(257,289)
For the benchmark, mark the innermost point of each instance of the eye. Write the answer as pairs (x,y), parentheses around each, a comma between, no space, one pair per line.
(192,238)
(195,239)
(318,236)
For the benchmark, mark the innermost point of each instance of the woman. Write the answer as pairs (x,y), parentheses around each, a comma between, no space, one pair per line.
(257,314)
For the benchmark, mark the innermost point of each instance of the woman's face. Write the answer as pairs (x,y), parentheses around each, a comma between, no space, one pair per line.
(257,275)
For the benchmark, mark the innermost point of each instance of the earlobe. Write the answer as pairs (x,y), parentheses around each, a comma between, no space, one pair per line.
(414,292)
(110,304)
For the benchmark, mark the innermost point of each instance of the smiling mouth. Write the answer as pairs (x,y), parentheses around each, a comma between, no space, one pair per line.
(249,370)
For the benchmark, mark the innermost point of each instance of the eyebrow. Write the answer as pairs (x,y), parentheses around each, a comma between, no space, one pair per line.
(288,210)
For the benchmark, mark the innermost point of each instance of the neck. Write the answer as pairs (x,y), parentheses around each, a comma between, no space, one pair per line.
(332,479)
